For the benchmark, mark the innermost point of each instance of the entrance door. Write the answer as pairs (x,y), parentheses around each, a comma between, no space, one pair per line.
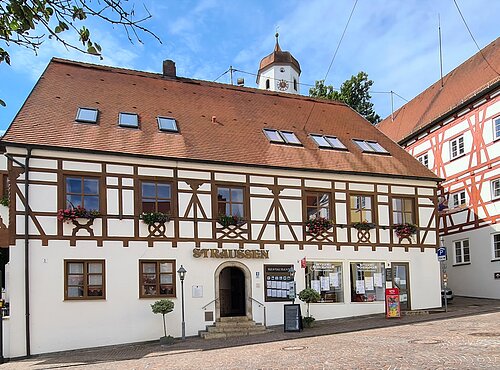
(401,280)
(232,292)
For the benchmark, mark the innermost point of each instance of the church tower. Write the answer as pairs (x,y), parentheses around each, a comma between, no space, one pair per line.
(279,71)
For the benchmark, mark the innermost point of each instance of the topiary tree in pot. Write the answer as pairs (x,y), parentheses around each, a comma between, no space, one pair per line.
(308,296)
(164,306)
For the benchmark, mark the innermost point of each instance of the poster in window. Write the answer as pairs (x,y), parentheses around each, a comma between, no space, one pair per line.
(360,286)
(316,285)
(369,283)
(334,279)
(377,277)
(278,281)
(324,282)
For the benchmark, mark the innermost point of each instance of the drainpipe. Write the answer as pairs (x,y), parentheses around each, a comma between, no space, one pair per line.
(26,167)
(26,251)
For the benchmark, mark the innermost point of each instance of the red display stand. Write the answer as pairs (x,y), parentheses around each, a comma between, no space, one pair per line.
(392,306)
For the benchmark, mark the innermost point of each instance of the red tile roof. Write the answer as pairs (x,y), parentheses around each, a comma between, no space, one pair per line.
(465,82)
(48,119)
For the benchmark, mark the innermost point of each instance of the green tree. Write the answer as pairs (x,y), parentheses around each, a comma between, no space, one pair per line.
(355,92)
(28,23)
(163,306)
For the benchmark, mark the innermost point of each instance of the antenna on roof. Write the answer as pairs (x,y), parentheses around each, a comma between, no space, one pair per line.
(231,74)
(392,105)
(440,51)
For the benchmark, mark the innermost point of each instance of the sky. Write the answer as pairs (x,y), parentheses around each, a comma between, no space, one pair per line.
(394,41)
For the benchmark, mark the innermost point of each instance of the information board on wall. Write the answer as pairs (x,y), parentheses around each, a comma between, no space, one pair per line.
(293,317)
(278,282)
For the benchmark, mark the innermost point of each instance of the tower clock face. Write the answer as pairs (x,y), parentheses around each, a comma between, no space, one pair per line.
(282,85)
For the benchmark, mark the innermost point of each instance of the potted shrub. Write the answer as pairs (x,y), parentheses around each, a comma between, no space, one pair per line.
(363,225)
(308,296)
(405,230)
(230,220)
(318,225)
(164,306)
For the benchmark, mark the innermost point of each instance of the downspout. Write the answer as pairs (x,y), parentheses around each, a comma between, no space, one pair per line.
(26,251)
(26,167)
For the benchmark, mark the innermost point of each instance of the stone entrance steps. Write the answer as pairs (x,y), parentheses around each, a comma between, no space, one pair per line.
(236,326)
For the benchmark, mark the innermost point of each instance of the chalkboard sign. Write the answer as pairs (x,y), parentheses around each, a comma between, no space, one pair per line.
(293,317)
(388,274)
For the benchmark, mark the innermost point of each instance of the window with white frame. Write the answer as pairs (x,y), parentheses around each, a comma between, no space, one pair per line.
(496,128)
(495,189)
(496,246)
(457,199)
(424,159)
(457,147)
(462,254)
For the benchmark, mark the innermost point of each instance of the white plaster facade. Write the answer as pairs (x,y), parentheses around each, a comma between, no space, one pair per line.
(122,317)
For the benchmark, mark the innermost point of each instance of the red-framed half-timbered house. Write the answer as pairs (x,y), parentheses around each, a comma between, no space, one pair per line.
(454,130)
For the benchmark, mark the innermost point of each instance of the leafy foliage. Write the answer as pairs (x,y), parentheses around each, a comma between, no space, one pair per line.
(363,225)
(308,296)
(150,218)
(4,201)
(318,225)
(72,213)
(163,306)
(230,220)
(29,23)
(355,92)
(404,230)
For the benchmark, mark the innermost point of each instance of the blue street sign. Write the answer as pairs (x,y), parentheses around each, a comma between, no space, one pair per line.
(441,252)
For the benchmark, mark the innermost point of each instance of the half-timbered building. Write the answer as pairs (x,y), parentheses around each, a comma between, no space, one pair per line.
(251,183)
(453,128)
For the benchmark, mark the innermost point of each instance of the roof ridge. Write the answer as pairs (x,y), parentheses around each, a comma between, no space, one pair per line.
(213,84)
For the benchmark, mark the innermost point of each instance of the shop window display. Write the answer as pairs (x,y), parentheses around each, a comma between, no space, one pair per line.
(367,281)
(326,279)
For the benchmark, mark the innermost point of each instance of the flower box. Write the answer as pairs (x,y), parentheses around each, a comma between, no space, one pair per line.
(318,225)
(230,220)
(363,225)
(405,230)
(151,218)
(71,214)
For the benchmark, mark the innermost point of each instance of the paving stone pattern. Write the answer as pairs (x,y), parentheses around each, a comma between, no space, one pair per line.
(466,337)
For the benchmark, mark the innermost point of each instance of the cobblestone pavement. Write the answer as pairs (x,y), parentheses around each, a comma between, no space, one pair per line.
(466,337)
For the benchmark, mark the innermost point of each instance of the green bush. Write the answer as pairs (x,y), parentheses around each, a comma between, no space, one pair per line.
(150,218)
(163,306)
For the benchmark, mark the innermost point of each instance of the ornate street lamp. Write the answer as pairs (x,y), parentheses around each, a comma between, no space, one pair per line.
(182,275)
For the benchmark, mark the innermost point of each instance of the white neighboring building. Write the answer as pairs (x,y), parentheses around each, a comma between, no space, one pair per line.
(125,142)
(454,130)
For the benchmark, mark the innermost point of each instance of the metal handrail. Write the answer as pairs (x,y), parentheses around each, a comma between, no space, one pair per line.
(209,303)
(261,305)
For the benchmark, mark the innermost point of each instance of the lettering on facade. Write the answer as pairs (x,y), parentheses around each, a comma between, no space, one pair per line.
(230,253)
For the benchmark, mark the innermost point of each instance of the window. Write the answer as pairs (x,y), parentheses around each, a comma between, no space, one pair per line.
(495,189)
(367,281)
(361,208)
(157,278)
(318,205)
(370,146)
(328,142)
(230,201)
(87,115)
(156,197)
(458,199)
(327,279)
(424,159)
(295,84)
(128,120)
(402,210)
(167,124)
(496,128)
(283,137)
(84,279)
(457,147)
(268,84)
(82,191)
(462,254)
(496,246)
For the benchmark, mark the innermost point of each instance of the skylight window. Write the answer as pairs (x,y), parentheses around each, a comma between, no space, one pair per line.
(87,115)
(128,120)
(167,124)
(328,142)
(283,137)
(370,146)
